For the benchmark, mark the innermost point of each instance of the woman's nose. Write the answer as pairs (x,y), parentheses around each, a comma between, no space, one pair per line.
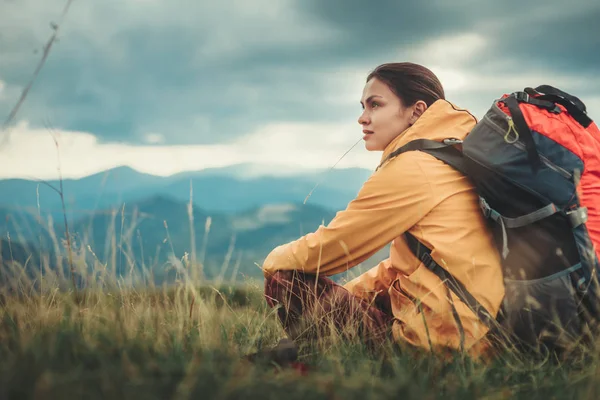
(362,119)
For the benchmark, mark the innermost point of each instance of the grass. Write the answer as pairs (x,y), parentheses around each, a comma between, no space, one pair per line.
(124,337)
(180,342)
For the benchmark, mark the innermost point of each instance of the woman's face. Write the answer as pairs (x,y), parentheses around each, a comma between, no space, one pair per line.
(384,116)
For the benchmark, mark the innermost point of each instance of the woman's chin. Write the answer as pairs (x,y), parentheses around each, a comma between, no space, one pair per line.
(371,146)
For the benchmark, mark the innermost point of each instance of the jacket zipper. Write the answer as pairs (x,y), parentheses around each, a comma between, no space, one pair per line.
(521,146)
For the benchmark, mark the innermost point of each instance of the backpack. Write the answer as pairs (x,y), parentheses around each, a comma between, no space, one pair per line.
(534,160)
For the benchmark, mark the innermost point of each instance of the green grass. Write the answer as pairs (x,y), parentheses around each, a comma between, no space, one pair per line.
(181,342)
(126,337)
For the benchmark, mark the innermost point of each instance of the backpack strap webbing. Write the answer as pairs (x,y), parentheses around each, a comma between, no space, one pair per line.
(444,151)
(574,105)
(524,132)
(424,254)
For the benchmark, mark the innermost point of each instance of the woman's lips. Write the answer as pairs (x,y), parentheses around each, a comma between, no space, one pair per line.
(367,134)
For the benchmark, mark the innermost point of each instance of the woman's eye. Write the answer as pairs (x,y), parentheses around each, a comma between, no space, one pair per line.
(374,104)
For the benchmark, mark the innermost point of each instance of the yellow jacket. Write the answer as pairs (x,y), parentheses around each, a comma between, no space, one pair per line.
(413,192)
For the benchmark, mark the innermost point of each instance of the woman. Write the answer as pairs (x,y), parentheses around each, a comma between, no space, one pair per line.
(411,193)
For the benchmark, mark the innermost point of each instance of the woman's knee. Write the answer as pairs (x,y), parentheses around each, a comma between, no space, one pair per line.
(274,285)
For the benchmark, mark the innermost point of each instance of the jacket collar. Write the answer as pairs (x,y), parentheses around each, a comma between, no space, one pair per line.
(440,121)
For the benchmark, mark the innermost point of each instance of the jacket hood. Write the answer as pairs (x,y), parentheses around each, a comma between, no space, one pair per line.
(440,121)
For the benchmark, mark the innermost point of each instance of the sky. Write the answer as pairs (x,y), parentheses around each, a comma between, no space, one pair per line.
(180,85)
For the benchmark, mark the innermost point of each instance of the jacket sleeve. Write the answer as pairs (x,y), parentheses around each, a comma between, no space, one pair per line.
(369,284)
(390,202)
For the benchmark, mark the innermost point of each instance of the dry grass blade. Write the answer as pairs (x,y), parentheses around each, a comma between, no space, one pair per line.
(332,167)
(46,52)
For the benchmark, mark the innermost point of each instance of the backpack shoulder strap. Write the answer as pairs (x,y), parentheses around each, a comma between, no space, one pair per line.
(444,151)
(423,253)
(447,152)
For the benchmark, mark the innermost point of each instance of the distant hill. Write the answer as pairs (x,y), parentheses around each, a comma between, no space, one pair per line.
(148,233)
(19,261)
(230,189)
(138,221)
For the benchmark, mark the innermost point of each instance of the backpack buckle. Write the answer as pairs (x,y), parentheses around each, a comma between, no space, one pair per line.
(428,261)
(577,216)
(556,109)
(522,96)
(452,141)
(485,207)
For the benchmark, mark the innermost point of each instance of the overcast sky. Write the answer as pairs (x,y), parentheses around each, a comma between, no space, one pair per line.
(166,86)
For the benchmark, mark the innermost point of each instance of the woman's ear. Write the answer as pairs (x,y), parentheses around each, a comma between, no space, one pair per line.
(418,109)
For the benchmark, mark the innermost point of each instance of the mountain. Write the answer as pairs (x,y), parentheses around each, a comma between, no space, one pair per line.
(266,227)
(11,253)
(80,195)
(23,226)
(22,263)
(151,230)
(128,220)
(229,189)
(151,234)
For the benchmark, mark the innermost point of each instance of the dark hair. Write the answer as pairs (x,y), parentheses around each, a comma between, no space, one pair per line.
(410,82)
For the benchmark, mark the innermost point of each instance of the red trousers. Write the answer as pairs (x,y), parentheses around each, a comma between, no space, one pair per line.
(313,307)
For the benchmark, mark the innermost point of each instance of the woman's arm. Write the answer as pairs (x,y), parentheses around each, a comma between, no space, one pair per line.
(392,200)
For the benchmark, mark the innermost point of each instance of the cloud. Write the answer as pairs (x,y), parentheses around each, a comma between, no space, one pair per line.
(454,59)
(450,50)
(155,138)
(31,153)
(123,68)
(206,73)
(8,94)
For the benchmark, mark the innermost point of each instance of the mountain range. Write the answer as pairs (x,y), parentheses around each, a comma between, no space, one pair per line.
(134,220)
(229,189)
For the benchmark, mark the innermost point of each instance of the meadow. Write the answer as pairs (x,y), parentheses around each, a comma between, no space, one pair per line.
(85,332)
